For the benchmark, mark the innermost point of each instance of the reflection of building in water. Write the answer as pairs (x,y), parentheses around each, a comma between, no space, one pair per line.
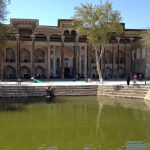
(44,146)
(135,145)
(58,52)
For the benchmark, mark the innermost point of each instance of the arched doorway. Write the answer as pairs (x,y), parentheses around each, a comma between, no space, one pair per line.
(9,72)
(108,73)
(40,72)
(25,73)
(68,62)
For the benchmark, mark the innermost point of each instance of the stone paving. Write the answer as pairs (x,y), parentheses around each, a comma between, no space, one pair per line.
(69,83)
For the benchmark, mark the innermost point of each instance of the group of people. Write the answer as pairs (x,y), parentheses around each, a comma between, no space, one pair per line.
(135,77)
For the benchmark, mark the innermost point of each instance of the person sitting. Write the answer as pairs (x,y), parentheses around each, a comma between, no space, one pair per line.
(50,92)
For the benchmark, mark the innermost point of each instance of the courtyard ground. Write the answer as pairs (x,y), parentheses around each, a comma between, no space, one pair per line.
(70,83)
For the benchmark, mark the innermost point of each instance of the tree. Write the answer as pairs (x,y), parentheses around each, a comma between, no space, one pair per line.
(3,29)
(3,13)
(99,23)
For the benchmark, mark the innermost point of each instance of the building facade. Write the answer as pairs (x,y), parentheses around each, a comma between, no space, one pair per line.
(48,52)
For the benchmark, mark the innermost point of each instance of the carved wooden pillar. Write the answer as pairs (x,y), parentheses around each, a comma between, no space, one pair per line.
(18,55)
(125,58)
(113,60)
(33,55)
(131,40)
(85,61)
(118,42)
(104,63)
(74,60)
(48,56)
(77,53)
(62,56)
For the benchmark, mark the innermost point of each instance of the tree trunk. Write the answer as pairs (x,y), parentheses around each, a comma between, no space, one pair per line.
(98,57)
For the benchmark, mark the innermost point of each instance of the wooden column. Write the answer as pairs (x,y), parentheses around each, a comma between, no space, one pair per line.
(48,56)
(85,61)
(146,68)
(76,53)
(62,56)
(88,58)
(18,55)
(131,40)
(54,61)
(80,70)
(104,63)
(33,55)
(74,61)
(118,41)
(113,60)
(125,59)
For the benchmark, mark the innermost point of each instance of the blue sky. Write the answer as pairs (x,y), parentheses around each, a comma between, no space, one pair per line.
(134,13)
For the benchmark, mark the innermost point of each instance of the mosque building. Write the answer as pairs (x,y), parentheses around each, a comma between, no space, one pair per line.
(57,52)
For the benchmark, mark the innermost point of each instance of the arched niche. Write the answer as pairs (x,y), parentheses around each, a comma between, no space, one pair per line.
(39,55)
(40,72)
(9,72)
(25,55)
(25,73)
(66,33)
(108,73)
(10,55)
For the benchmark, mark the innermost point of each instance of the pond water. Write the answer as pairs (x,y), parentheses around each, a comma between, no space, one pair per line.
(75,123)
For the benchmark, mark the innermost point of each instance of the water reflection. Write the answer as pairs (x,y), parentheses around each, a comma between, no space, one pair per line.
(77,123)
(123,123)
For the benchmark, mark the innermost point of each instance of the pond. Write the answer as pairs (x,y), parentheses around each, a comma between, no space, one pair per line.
(75,123)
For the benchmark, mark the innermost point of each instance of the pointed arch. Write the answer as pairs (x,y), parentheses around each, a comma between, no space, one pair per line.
(108,72)
(25,55)
(66,33)
(40,72)
(10,55)
(39,55)
(73,33)
(25,72)
(9,72)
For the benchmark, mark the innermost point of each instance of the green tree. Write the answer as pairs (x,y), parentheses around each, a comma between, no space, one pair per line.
(99,23)
(3,12)
(3,29)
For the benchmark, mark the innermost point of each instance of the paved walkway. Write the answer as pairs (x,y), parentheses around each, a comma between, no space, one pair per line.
(69,83)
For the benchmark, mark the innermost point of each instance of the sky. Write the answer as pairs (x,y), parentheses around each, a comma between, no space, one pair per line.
(135,13)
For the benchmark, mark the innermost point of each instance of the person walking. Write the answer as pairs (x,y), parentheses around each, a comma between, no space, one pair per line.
(128,79)
(134,79)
